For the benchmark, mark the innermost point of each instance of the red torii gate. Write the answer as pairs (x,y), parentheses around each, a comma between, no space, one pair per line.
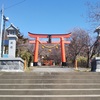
(62,42)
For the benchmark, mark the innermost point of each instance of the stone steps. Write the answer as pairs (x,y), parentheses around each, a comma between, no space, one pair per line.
(49,97)
(27,81)
(50,86)
(47,73)
(50,77)
(49,91)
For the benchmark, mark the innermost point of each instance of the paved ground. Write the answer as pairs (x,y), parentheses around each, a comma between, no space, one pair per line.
(49,69)
(53,69)
(58,69)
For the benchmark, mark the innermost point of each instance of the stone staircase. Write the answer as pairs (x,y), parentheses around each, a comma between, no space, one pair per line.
(49,86)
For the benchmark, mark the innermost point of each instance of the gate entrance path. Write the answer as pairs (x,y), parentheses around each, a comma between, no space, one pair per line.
(53,69)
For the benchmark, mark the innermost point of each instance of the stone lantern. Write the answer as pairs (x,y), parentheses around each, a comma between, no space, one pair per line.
(12,37)
(98,30)
(95,64)
(12,63)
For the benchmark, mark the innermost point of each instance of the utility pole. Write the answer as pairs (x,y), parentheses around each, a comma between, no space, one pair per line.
(2,33)
(1,28)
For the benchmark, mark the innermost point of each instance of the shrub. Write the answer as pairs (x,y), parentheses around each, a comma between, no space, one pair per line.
(81,61)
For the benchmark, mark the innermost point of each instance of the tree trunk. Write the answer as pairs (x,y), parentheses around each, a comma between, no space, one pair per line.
(88,59)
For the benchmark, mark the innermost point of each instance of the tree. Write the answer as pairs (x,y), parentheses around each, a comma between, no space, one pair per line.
(24,49)
(56,55)
(26,56)
(94,13)
(79,44)
(50,51)
(94,18)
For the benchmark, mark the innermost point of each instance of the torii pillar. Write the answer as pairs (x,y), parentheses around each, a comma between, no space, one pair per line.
(63,51)
(62,42)
(36,52)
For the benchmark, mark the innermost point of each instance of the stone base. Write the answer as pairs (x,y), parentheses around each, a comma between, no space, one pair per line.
(95,64)
(63,63)
(11,64)
(35,64)
(97,70)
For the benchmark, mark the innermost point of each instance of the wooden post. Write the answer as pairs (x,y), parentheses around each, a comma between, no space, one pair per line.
(76,64)
(25,64)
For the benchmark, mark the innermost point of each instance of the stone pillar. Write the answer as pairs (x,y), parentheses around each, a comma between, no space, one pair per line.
(12,46)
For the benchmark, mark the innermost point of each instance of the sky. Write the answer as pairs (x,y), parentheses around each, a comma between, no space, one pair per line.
(46,16)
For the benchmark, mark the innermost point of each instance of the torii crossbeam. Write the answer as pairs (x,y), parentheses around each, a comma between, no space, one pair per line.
(62,42)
